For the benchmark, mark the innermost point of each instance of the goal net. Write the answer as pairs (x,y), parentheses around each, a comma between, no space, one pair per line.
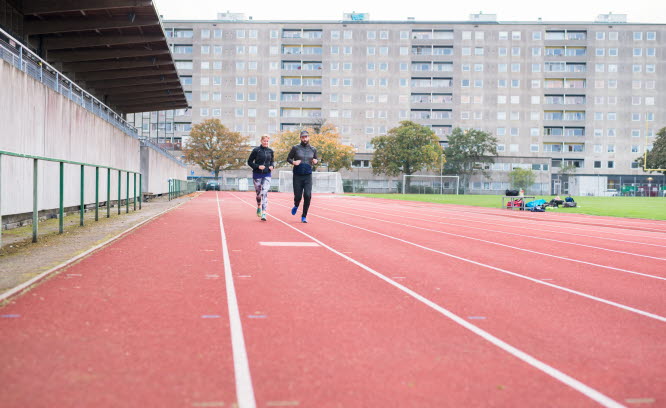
(322,182)
(417,184)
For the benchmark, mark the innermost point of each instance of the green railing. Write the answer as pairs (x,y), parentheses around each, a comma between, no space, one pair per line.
(35,184)
(179,188)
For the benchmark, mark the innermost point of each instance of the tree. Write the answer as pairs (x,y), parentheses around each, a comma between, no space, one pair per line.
(215,148)
(326,140)
(522,178)
(406,149)
(468,152)
(656,157)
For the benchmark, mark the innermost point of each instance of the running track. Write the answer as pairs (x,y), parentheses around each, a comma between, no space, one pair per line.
(375,303)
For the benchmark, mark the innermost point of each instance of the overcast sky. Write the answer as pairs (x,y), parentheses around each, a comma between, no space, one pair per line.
(638,11)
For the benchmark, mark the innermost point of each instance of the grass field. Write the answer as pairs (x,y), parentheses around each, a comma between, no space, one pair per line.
(653,208)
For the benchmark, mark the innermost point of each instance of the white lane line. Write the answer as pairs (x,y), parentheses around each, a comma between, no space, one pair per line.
(539,281)
(558,241)
(545,368)
(244,390)
(289,244)
(494,218)
(500,244)
(462,218)
(575,292)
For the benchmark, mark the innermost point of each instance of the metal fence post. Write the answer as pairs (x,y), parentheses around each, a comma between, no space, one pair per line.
(35,205)
(108,192)
(140,190)
(127,194)
(134,192)
(61,204)
(96,193)
(83,207)
(119,188)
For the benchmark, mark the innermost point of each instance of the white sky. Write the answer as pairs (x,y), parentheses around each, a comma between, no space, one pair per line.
(638,11)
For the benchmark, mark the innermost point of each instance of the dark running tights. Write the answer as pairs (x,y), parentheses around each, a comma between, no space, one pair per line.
(303,188)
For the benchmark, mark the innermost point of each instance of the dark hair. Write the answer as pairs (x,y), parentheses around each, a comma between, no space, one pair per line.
(304,133)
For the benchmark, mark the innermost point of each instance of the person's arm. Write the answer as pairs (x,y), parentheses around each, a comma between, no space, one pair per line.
(271,164)
(314,156)
(250,160)
(292,156)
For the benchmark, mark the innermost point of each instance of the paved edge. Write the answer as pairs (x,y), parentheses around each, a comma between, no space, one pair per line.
(25,286)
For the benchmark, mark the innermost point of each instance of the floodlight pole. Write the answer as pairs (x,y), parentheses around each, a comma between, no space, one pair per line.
(441,171)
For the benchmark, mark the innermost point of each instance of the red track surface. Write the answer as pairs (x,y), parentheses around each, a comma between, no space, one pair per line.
(478,307)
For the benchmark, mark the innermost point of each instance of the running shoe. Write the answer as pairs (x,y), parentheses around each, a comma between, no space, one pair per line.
(258,212)
(293,210)
(263,215)
(304,220)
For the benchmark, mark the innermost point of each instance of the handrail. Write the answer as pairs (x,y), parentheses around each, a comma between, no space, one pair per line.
(62,162)
(30,63)
(179,188)
(147,142)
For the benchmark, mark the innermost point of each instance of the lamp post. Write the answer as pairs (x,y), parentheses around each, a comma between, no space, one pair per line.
(441,171)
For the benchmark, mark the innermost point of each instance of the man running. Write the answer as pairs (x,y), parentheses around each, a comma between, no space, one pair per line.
(302,157)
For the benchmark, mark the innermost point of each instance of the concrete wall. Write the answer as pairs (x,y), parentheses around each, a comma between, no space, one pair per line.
(35,120)
(157,169)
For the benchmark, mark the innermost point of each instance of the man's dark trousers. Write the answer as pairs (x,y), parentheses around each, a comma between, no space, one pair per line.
(303,188)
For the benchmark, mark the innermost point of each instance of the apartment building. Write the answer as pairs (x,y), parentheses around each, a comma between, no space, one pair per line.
(555,94)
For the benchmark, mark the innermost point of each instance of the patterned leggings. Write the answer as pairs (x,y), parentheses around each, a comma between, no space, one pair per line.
(261,186)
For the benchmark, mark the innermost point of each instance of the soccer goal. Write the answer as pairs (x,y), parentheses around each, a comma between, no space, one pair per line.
(419,184)
(322,182)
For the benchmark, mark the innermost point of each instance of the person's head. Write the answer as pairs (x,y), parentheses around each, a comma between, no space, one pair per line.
(264,140)
(305,137)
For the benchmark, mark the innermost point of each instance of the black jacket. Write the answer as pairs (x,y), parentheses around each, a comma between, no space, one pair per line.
(261,156)
(305,154)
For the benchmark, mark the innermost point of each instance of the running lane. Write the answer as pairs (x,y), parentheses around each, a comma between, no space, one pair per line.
(140,323)
(324,331)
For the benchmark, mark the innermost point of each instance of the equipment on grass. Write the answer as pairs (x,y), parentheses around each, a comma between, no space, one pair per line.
(322,182)
(419,184)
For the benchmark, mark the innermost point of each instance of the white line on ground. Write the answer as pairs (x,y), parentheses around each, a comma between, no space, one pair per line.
(290,244)
(506,246)
(495,219)
(485,229)
(244,390)
(608,302)
(551,371)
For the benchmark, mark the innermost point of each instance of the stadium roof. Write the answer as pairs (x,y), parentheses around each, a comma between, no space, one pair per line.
(115,49)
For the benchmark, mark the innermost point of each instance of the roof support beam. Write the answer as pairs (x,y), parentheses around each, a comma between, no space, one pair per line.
(110,65)
(143,90)
(155,79)
(85,24)
(174,85)
(61,6)
(95,40)
(145,95)
(125,73)
(102,54)
(148,102)
(150,107)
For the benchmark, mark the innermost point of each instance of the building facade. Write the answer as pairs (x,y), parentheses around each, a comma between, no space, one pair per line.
(557,95)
